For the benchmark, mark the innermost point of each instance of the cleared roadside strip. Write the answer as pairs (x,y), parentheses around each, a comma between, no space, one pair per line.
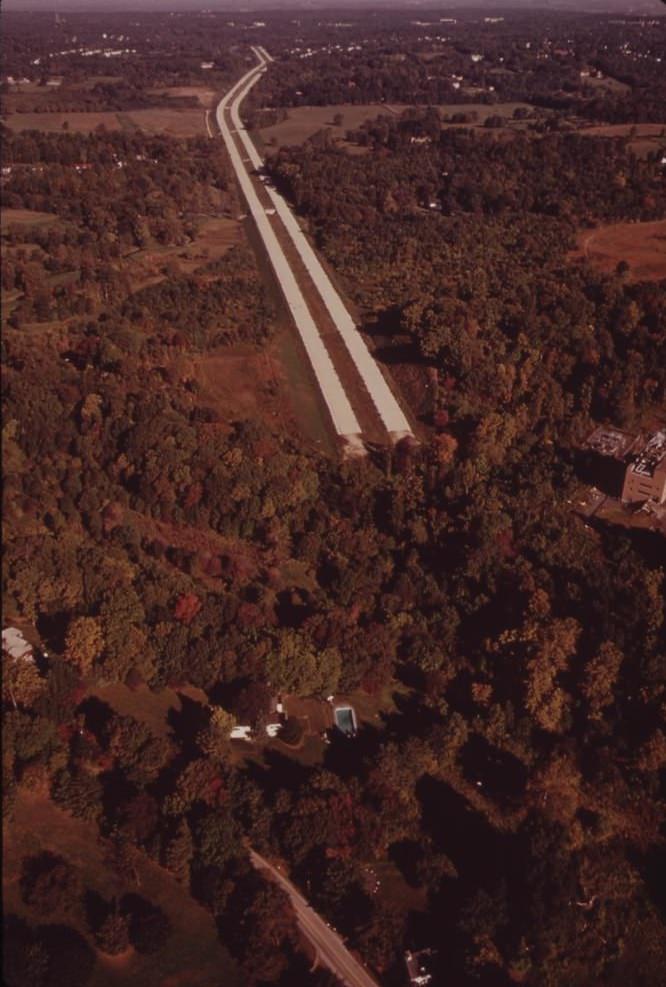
(342,414)
(390,412)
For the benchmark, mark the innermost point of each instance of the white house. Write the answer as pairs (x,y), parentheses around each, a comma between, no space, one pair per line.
(15,645)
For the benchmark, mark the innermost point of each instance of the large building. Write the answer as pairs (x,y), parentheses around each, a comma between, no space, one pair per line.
(625,465)
(645,478)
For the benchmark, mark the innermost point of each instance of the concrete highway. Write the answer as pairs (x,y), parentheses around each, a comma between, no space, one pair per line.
(342,414)
(390,413)
(330,949)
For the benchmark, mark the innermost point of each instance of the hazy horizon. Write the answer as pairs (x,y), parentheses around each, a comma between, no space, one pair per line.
(238,6)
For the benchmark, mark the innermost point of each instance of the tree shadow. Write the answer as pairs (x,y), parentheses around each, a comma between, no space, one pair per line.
(96,909)
(98,715)
(406,855)
(52,629)
(347,756)
(149,927)
(187,722)
(501,775)
(71,959)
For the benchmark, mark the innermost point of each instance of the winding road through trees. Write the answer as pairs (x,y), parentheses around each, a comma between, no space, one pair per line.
(342,402)
(330,949)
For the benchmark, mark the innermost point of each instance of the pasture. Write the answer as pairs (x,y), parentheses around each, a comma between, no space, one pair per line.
(193,954)
(641,245)
(173,121)
(304,121)
(26,218)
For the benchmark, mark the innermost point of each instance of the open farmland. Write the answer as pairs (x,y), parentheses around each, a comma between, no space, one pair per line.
(641,245)
(216,235)
(172,122)
(176,122)
(51,123)
(643,137)
(304,121)
(203,95)
(25,218)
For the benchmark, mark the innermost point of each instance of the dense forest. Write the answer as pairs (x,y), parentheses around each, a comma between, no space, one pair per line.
(511,653)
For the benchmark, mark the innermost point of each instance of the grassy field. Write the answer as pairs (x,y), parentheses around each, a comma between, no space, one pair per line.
(177,123)
(215,236)
(206,97)
(608,83)
(641,245)
(51,123)
(242,381)
(189,122)
(152,708)
(644,137)
(26,218)
(304,121)
(192,956)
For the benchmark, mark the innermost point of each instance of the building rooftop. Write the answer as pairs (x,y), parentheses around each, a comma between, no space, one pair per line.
(611,442)
(417,969)
(651,455)
(15,645)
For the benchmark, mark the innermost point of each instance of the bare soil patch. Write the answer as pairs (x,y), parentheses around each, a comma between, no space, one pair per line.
(244,381)
(641,245)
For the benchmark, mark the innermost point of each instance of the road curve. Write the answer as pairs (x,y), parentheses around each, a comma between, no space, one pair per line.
(330,949)
(389,410)
(342,414)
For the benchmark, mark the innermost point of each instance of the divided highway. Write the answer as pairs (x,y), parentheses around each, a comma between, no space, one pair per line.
(337,401)
(330,949)
(344,420)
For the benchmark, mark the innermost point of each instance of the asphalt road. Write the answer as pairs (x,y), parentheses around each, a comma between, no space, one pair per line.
(330,949)
(389,410)
(342,414)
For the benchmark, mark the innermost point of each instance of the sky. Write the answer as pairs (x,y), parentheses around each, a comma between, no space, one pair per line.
(62,6)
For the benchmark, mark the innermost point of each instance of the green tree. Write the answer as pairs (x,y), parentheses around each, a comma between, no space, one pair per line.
(295,666)
(600,677)
(84,643)
(79,792)
(50,884)
(22,685)
(112,937)
(213,740)
(179,850)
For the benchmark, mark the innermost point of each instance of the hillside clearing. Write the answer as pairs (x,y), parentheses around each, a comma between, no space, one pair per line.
(641,245)
(193,953)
